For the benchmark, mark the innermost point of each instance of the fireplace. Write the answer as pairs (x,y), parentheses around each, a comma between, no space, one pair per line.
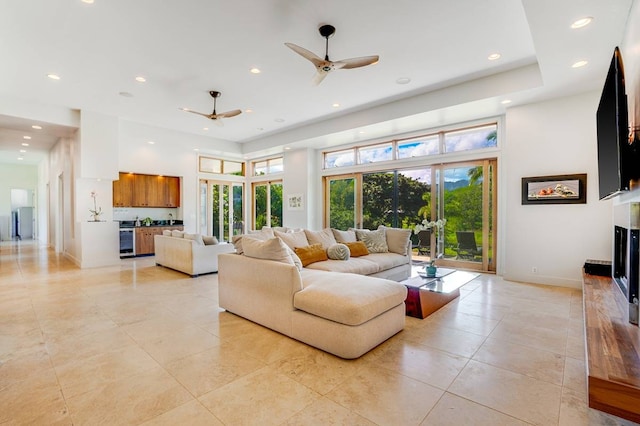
(626,259)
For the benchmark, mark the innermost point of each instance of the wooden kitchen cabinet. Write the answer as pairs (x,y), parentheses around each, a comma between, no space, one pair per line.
(123,190)
(172,191)
(144,238)
(138,190)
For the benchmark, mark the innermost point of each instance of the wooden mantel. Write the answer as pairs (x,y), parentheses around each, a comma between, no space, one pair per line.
(613,349)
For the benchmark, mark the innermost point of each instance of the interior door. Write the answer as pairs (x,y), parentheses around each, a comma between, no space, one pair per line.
(221,209)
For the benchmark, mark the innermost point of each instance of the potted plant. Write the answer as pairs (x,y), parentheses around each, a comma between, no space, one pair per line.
(147,221)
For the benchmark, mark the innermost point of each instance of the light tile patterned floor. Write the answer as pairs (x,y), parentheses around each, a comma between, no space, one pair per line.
(140,344)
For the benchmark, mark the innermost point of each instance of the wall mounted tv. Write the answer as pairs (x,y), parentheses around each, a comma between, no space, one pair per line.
(616,157)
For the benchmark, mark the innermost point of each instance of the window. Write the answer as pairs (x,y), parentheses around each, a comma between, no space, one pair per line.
(443,142)
(267,204)
(268,167)
(375,153)
(218,166)
(471,139)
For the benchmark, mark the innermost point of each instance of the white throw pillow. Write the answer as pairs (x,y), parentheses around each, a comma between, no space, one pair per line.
(397,239)
(177,234)
(293,239)
(195,237)
(324,237)
(344,236)
(166,233)
(271,249)
(209,240)
(259,235)
(376,241)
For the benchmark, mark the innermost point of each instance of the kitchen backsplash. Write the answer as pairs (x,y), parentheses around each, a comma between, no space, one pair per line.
(155,213)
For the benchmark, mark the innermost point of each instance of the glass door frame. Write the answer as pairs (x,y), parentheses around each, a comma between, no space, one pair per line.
(326,182)
(268,184)
(209,222)
(489,199)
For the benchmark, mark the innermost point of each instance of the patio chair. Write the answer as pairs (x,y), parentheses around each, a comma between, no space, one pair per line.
(424,243)
(467,248)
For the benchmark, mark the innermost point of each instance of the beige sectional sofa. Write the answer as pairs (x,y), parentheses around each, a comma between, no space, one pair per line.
(188,254)
(345,307)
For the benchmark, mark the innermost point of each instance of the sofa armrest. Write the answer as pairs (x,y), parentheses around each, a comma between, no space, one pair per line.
(205,258)
(259,290)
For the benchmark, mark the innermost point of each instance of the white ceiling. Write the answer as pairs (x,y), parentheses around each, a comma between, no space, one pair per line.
(184,49)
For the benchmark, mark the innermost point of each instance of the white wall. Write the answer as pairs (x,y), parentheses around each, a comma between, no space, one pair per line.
(13,176)
(552,138)
(301,177)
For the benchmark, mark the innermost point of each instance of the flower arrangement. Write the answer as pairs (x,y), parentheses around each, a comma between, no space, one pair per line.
(97,211)
(426,224)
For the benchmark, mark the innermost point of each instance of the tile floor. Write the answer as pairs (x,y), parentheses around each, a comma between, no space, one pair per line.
(139,344)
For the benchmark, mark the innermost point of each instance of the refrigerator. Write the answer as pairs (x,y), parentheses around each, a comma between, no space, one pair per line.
(23,223)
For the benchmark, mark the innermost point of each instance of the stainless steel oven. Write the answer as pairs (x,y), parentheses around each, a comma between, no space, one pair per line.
(127,242)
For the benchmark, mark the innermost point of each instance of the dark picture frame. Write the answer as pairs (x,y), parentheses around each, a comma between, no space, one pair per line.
(557,189)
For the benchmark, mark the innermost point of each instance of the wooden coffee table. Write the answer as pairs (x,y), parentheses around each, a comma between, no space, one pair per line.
(427,295)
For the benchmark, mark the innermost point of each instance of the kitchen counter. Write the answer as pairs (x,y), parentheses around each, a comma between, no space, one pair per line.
(155,223)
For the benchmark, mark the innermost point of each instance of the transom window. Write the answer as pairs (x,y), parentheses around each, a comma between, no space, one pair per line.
(220,166)
(268,167)
(439,143)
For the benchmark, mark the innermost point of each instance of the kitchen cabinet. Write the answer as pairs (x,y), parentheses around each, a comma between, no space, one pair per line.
(123,190)
(172,191)
(144,238)
(138,190)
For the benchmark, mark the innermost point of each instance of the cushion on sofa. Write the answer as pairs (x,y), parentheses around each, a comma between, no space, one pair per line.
(348,299)
(355,265)
(195,237)
(293,239)
(324,237)
(344,236)
(166,232)
(397,239)
(177,234)
(338,251)
(258,235)
(209,240)
(376,241)
(271,249)
(357,248)
(311,254)
(386,260)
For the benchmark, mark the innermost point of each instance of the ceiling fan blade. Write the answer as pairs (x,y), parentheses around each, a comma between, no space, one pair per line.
(317,79)
(218,120)
(229,114)
(357,62)
(196,112)
(315,59)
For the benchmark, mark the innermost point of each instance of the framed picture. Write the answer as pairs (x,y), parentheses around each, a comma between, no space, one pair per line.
(560,189)
(295,202)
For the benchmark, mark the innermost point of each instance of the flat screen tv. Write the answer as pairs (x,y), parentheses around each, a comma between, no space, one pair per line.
(615,156)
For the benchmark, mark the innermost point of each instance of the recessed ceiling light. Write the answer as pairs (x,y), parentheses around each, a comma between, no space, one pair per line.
(582,22)
(255,71)
(205,128)
(140,79)
(126,94)
(20,158)
(26,137)
(336,105)
(403,80)
(196,149)
(506,101)
(53,76)
(579,64)
(287,148)
(23,150)
(24,144)
(248,110)
(150,142)
(279,120)
(35,126)
(494,56)
(87,1)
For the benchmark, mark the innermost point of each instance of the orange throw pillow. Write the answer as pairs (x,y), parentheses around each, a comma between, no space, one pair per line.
(357,249)
(311,254)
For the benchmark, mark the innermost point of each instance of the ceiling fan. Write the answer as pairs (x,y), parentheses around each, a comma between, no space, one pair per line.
(214,115)
(325,66)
